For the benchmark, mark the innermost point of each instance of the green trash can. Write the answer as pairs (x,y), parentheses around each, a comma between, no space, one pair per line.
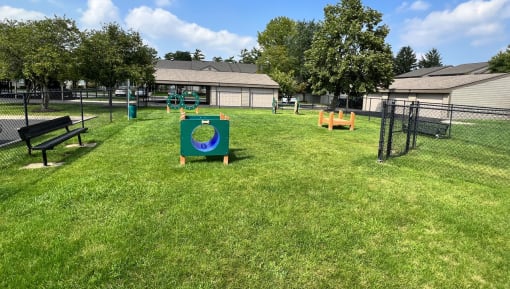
(132,111)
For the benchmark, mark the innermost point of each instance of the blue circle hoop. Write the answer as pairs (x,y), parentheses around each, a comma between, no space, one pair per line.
(206,146)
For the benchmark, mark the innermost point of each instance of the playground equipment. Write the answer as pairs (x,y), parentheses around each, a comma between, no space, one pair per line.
(217,145)
(332,121)
(177,101)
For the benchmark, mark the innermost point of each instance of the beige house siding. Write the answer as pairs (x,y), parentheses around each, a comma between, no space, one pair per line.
(242,96)
(245,97)
(495,93)
(263,97)
(492,90)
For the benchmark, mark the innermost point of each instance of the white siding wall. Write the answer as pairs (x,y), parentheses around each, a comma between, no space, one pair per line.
(229,96)
(495,93)
(373,101)
(263,97)
(242,96)
(432,98)
(245,97)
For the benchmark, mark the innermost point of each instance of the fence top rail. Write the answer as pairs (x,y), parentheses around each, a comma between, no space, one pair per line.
(455,108)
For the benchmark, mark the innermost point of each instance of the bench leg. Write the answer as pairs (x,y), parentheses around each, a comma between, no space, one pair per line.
(45,160)
(79,139)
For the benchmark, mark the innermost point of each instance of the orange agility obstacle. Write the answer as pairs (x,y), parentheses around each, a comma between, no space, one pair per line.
(332,121)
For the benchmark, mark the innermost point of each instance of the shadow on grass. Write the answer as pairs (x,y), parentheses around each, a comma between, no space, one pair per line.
(233,157)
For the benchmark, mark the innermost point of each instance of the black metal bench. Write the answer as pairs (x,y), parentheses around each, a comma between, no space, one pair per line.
(32,131)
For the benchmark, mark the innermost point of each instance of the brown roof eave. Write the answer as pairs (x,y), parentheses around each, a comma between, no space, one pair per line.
(415,91)
(216,84)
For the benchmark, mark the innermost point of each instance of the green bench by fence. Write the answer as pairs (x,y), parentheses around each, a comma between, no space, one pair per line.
(30,132)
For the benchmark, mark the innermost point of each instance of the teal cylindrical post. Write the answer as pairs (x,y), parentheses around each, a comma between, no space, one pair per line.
(132,110)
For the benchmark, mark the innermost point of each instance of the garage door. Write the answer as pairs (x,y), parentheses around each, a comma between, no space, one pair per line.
(262,99)
(229,97)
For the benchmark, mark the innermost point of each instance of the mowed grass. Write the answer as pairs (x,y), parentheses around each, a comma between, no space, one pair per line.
(297,207)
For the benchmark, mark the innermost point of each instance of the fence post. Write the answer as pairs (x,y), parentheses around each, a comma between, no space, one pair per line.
(380,152)
(25,107)
(390,129)
(81,108)
(411,126)
(450,110)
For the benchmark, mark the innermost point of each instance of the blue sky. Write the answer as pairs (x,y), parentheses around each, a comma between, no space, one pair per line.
(464,31)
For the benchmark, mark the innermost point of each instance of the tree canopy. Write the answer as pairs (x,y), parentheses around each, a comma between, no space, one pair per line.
(405,60)
(40,51)
(431,59)
(282,52)
(274,45)
(249,57)
(501,61)
(179,55)
(349,54)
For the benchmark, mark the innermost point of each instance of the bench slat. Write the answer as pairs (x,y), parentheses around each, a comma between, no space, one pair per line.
(44,127)
(49,144)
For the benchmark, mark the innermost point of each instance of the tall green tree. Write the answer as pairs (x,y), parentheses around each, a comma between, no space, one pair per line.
(249,57)
(40,51)
(349,54)
(405,60)
(501,61)
(274,44)
(13,35)
(198,55)
(299,44)
(111,56)
(285,80)
(431,59)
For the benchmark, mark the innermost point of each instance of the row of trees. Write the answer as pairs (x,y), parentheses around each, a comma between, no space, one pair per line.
(406,60)
(245,56)
(54,50)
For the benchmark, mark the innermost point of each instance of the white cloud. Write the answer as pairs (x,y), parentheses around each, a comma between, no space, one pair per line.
(163,3)
(159,24)
(415,6)
(476,21)
(99,12)
(419,6)
(11,13)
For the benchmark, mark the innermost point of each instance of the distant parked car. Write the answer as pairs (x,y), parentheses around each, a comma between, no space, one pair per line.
(141,92)
(289,100)
(121,91)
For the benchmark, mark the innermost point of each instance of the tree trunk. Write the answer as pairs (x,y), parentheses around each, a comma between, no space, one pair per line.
(334,102)
(45,102)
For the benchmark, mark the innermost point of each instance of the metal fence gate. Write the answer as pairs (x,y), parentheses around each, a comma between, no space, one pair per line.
(395,137)
(475,140)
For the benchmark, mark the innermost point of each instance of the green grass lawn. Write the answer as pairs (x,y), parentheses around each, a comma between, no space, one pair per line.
(297,207)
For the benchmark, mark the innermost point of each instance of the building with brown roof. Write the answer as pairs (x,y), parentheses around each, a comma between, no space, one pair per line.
(221,83)
(467,84)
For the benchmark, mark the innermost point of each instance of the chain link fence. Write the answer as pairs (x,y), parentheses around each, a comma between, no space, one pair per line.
(18,109)
(475,141)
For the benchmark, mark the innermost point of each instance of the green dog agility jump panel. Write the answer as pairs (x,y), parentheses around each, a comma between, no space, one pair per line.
(217,145)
